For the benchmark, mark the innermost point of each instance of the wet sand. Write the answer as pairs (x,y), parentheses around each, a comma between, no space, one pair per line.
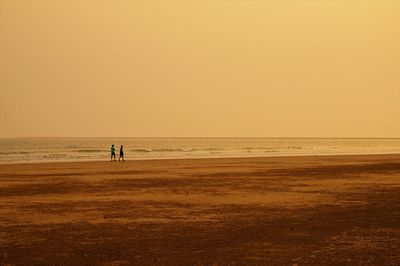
(324,210)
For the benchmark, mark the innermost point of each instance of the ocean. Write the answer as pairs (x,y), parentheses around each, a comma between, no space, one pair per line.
(16,150)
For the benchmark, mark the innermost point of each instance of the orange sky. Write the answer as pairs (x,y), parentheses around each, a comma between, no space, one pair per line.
(276,68)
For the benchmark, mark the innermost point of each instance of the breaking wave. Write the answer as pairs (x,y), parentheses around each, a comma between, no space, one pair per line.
(89,151)
(171,150)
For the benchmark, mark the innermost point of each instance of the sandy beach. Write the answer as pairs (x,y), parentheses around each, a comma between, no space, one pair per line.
(323,210)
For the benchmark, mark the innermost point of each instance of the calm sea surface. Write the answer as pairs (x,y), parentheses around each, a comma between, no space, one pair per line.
(85,149)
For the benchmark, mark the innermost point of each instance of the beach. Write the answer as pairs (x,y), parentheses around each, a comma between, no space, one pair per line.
(298,210)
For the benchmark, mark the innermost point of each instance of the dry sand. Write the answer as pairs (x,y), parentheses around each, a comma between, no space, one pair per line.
(245,211)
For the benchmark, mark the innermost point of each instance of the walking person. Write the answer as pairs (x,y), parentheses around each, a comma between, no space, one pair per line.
(112,152)
(121,153)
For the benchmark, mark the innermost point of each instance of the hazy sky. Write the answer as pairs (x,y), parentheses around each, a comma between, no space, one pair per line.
(250,68)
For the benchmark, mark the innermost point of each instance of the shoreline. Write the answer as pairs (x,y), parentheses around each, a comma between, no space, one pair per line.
(196,158)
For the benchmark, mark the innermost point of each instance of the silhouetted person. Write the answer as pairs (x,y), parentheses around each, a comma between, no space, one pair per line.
(112,152)
(121,153)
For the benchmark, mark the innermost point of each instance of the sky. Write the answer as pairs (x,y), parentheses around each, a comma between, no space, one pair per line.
(200,68)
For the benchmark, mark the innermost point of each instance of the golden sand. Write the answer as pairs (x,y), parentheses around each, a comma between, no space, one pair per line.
(282,210)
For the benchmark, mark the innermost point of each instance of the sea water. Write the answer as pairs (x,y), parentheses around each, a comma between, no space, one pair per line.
(14,150)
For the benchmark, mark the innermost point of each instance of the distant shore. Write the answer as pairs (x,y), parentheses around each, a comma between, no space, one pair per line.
(305,210)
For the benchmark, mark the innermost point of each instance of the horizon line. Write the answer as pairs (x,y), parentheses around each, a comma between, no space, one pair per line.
(26,137)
